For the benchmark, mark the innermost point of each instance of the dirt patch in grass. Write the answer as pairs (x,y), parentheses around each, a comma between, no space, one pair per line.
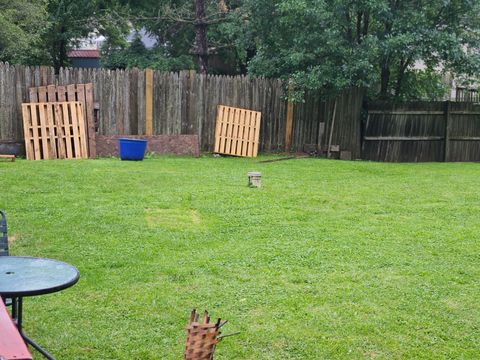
(13,238)
(172,219)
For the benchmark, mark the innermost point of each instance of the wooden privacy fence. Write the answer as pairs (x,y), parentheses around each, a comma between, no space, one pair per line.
(138,102)
(177,103)
(335,122)
(422,131)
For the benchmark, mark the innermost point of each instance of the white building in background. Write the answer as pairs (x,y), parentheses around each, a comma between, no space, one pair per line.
(86,53)
(460,89)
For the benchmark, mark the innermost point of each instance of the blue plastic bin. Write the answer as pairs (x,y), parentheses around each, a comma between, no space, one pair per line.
(132,149)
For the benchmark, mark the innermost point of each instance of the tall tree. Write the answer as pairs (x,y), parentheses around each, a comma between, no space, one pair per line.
(22,23)
(201,45)
(72,20)
(201,28)
(333,44)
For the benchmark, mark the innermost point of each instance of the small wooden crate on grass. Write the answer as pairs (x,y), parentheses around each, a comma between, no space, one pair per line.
(237,131)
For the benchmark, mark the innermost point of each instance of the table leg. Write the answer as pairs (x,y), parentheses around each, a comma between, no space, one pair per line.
(17,316)
(37,347)
(15,313)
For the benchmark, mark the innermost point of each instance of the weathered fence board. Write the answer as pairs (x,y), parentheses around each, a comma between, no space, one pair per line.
(422,131)
(314,122)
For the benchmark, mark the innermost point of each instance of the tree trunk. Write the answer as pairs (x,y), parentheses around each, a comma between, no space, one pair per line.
(385,64)
(59,53)
(201,47)
(385,79)
(401,74)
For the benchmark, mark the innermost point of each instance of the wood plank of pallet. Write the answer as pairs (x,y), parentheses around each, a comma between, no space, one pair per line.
(218,127)
(76,133)
(223,134)
(61,93)
(42,94)
(71,93)
(228,135)
(28,132)
(258,116)
(240,134)
(43,121)
(81,96)
(231,132)
(61,149)
(4,156)
(34,112)
(51,128)
(82,128)
(88,111)
(68,130)
(251,133)
(248,130)
(33,94)
(236,127)
(51,93)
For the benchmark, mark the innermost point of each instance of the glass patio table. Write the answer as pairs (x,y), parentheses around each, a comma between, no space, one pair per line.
(29,276)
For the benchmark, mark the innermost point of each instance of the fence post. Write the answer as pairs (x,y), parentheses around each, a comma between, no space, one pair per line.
(331,128)
(447,132)
(148,102)
(289,122)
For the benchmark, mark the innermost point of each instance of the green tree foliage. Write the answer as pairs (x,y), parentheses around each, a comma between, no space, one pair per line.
(335,44)
(175,24)
(21,24)
(136,55)
(71,20)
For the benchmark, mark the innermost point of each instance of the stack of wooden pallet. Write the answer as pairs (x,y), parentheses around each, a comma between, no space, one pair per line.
(58,122)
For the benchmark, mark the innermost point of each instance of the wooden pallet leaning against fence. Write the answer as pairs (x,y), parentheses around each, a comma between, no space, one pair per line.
(73,92)
(237,131)
(55,130)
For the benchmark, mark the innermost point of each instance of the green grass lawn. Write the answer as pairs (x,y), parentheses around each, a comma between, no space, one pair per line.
(327,260)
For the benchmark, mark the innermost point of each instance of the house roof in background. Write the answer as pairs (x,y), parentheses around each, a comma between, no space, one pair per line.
(84,54)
